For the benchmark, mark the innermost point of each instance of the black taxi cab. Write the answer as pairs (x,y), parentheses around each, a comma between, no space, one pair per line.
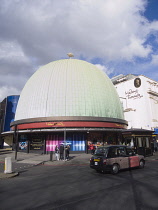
(113,158)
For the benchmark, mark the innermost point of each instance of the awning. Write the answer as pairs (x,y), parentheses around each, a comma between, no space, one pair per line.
(63,129)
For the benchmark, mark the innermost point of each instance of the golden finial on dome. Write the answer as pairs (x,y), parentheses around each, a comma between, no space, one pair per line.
(70,55)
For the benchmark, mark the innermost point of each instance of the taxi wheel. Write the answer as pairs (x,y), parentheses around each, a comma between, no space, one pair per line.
(141,164)
(115,169)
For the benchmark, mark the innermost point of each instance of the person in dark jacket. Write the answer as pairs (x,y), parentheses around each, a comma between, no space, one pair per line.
(67,148)
(61,151)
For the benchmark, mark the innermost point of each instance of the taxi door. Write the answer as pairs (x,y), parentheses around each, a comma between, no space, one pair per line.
(123,158)
(133,159)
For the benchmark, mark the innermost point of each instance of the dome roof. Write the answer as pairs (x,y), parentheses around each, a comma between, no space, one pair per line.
(69,87)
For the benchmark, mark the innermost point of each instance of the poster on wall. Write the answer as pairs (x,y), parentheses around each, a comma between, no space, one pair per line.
(74,145)
(75,141)
(36,144)
(23,145)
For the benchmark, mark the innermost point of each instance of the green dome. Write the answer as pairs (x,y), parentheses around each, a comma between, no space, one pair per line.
(69,87)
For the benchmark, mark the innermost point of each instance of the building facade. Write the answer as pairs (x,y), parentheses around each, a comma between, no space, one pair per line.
(71,102)
(139,97)
(7,115)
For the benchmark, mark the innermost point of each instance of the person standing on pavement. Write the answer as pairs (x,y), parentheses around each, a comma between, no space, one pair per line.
(68,151)
(57,153)
(61,151)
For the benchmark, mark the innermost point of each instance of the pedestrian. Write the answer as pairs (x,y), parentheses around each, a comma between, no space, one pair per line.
(155,146)
(57,153)
(68,151)
(61,151)
(152,147)
(93,150)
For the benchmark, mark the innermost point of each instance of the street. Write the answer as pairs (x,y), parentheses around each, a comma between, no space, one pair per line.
(79,187)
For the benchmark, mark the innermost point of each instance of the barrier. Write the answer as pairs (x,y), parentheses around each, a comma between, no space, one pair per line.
(8,165)
(51,155)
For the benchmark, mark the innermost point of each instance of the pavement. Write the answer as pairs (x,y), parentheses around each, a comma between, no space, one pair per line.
(27,160)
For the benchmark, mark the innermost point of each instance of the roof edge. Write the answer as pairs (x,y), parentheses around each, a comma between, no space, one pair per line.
(71,118)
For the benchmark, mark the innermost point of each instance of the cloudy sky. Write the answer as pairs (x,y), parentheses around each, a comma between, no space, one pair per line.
(119,36)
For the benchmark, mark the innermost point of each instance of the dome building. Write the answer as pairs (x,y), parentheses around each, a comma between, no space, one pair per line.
(68,101)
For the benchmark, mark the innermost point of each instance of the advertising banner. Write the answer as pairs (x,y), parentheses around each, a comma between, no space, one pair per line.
(36,144)
(75,141)
(74,145)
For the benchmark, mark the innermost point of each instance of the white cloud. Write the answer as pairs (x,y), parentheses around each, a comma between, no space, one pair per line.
(107,29)
(135,48)
(7,91)
(154,60)
(34,34)
(104,68)
(12,52)
(110,29)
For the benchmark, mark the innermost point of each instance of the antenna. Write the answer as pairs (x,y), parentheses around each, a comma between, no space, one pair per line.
(70,55)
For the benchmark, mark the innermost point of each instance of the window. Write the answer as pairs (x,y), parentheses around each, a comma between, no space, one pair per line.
(113,152)
(101,151)
(121,151)
(130,152)
(139,142)
(147,142)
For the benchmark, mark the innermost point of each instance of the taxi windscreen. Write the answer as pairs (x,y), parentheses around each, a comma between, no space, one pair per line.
(102,151)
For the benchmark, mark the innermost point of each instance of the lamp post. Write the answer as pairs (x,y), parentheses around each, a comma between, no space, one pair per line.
(16,141)
(64,142)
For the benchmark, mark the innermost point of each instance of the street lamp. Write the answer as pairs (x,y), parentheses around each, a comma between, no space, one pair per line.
(64,142)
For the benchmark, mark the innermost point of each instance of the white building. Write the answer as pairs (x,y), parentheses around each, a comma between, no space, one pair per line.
(139,97)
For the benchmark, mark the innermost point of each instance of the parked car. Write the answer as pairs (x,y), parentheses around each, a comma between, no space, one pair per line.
(114,158)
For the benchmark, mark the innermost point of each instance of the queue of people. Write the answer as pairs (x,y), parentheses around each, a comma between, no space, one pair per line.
(59,152)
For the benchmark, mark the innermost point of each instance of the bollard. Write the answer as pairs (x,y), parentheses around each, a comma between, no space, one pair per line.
(8,165)
(51,155)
